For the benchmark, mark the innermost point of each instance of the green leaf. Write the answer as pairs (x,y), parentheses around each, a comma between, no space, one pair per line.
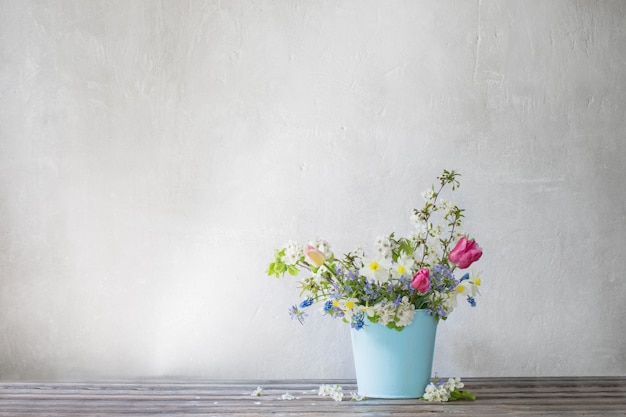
(293,270)
(279,268)
(462,395)
(405,246)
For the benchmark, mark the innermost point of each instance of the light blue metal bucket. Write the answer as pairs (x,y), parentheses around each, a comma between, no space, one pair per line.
(394,364)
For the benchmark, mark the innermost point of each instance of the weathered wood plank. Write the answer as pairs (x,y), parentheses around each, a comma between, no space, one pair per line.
(496,396)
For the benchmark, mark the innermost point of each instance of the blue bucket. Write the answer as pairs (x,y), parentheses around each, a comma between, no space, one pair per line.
(395,364)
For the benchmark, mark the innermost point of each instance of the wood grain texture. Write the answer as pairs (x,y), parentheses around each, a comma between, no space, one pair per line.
(599,396)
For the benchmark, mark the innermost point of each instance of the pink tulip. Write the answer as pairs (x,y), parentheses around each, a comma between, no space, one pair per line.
(465,253)
(314,256)
(420,281)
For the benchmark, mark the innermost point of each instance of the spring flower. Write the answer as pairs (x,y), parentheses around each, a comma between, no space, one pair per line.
(445,205)
(383,246)
(306,303)
(346,308)
(293,253)
(376,269)
(257,392)
(420,281)
(468,286)
(429,195)
(436,394)
(450,390)
(322,246)
(356,397)
(465,253)
(401,275)
(403,266)
(297,314)
(386,313)
(358,321)
(370,311)
(405,313)
(333,391)
(314,256)
(449,302)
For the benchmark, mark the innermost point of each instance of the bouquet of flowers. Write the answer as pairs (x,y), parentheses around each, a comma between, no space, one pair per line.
(403,275)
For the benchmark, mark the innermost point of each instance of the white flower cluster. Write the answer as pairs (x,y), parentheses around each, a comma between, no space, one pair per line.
(384,246)
(293,253)
(322,246)
(448,301)
(429,194)
(334,391)
(442,391)
(405,313)
(446,205)
(402,314)
(356,397)
(433,227)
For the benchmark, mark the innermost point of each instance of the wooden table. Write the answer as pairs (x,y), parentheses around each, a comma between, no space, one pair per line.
(600,396)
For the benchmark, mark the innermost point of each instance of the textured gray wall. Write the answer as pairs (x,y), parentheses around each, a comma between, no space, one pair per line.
(152,155)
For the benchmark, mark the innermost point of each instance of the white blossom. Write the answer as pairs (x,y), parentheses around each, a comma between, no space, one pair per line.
(384,246)
(356,397)
(442,391)
(428,195)
(322,246)
(386,313)
(405,312)
(293,253)
(334,391)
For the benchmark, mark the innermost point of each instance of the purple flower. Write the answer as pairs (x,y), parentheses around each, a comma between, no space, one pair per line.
(297,314)
(398,301)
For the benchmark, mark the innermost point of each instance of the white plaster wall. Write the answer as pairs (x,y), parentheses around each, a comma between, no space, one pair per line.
(153,154)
